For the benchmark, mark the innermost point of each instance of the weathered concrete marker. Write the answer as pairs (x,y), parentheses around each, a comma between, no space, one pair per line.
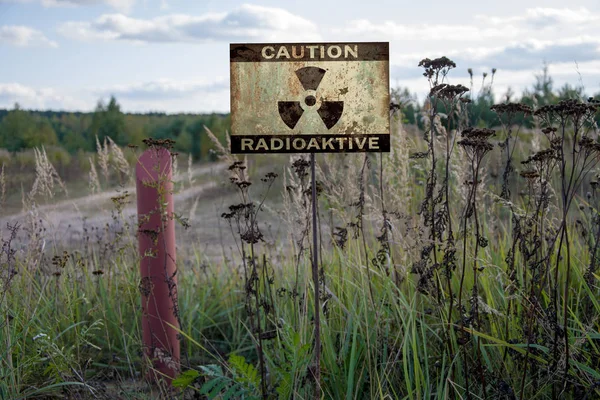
(158,285)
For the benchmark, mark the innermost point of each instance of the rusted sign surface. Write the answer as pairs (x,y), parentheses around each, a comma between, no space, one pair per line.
(310,97)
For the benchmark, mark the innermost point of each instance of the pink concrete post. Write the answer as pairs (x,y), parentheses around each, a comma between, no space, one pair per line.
(158,284)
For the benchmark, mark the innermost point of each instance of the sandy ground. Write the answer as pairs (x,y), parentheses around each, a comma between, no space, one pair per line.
(68,222)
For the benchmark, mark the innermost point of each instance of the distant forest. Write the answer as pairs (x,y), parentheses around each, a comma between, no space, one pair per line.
(541,93)
(77,132)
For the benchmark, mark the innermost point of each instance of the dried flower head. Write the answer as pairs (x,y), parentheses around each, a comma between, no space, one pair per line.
(567,108)
(589,144)
(448,92)
(300,167)
(437,63)
(530,174)
(269,177)
(549,130)
(159,143)
(476,142)
(435,68)
(419,154)
(541,156)
(511,108)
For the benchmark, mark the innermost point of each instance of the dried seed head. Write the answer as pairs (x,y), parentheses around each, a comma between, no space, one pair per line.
(549,130)
(478,133)
(476,140)
(589,144)
(530,174)
(252,235)
(476,145)
(541,156)
(511,108)
(433,68)
(437,63)
(269,177)
(159,143)
(448,91)
(418,155)
(568,108)
(300,167)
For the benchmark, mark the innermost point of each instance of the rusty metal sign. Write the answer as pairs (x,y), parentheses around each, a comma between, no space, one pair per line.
(310,97)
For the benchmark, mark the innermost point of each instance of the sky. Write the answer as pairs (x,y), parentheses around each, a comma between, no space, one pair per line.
(173,55)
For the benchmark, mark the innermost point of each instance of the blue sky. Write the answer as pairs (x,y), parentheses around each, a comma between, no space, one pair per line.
(172,55)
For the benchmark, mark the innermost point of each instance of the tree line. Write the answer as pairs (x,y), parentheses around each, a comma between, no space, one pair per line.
(77,132)
(542,92)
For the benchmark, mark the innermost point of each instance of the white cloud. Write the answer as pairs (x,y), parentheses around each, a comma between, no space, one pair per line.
(22,36)
(516,56)
(248,22)
(426,32)
(38,98)
(540,17)
(120,5)
(164,89)
(517,43)
(530,53)
(533,23)
(163,95)
(217,101)
(170,95)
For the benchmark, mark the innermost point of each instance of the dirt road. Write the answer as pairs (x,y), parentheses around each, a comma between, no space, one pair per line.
(67,223)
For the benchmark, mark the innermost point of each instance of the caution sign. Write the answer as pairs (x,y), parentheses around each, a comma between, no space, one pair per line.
(310,97)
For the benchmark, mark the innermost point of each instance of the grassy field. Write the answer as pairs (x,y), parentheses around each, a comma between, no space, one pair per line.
(461,265)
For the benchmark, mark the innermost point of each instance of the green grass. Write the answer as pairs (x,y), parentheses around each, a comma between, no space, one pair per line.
(392,345)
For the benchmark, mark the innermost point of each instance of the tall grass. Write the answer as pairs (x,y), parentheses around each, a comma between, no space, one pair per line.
(436,280)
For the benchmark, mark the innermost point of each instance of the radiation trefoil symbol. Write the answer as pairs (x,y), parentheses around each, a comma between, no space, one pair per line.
(329,111)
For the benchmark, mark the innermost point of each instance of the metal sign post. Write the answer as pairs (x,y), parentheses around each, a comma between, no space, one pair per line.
(310,98)
(315,273)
